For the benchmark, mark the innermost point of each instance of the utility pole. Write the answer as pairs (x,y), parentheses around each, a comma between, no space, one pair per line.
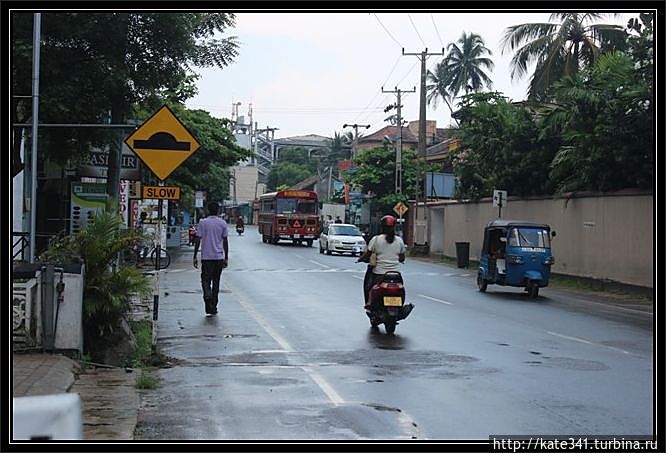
(421,153)
(36,39)
(355,126)
(422,106)
(398,151)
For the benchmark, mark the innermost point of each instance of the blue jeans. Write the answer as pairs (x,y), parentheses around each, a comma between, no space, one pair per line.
(211,270)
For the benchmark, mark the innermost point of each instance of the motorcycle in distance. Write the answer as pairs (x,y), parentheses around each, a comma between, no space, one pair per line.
(387,301)
(240,229)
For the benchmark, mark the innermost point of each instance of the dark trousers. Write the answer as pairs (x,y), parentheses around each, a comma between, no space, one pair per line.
(210,283)
(368,282)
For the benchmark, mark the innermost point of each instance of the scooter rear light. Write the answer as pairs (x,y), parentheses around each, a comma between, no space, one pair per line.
(391,286)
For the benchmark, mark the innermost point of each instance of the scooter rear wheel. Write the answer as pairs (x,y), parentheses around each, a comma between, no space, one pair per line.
(390,327)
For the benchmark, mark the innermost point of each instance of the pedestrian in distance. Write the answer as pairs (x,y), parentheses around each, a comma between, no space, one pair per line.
(212,234)
(337,219)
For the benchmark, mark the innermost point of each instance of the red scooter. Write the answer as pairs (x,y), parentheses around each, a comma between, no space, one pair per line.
(387,302)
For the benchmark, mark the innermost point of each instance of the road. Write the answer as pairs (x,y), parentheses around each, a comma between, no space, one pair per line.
(291,356)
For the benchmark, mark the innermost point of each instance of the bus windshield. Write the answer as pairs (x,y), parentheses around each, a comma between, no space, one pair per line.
(295,206)
(529,237)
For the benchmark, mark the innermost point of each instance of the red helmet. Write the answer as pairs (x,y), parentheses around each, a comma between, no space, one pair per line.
(388,221)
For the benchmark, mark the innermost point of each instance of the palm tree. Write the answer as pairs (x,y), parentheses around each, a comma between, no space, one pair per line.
(464,65)
(460,69)
(559,49)
(438,87)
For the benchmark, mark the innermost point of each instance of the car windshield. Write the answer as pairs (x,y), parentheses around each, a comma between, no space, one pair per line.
(529,237)
(344,230)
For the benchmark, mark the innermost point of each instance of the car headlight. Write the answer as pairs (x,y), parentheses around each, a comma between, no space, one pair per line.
(334,241)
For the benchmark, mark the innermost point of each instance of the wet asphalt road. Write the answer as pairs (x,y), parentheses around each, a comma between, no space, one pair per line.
(291,356)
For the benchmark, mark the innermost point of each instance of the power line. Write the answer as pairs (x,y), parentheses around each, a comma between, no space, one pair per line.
(395,65)
(437,31)
(389,33)
(416,30)
(408,73)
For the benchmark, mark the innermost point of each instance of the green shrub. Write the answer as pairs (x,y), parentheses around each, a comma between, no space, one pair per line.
(107,287)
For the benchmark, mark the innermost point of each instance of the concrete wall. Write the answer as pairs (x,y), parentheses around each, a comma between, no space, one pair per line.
(605,237)
(246,184)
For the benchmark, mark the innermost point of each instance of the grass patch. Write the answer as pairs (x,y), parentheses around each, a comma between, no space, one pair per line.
(608,288)
(147,382)
(142,354)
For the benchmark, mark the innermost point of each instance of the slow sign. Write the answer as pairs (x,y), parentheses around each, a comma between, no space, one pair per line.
(161,192)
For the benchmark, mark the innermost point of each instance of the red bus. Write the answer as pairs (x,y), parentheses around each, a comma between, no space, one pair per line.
(289,215)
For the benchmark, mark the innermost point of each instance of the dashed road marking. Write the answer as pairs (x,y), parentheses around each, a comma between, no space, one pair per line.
(582,340)
(434,299)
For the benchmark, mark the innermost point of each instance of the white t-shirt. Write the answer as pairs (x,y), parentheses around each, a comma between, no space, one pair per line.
(387,254)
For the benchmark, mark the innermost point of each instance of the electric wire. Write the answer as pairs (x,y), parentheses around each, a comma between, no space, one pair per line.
(437,31)
(416,30)
(388,32)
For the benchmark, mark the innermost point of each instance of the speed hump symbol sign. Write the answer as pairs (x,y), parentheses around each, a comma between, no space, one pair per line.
(162,143)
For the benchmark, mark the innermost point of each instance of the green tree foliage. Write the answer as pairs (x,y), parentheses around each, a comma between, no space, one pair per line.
(374,172)
(293,166)
(605,115)
(107,288)
(460,70)
(465,63)
(96,66)
(559,48)
(501,148)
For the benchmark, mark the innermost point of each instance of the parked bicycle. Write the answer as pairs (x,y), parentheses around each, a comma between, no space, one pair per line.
(146,256)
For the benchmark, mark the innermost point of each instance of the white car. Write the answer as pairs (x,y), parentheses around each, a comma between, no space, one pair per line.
(341,238)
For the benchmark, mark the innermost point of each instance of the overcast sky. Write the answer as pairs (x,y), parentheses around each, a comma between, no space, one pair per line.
(310,73)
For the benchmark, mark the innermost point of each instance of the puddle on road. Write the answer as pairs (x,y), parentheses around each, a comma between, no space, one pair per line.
(569,363)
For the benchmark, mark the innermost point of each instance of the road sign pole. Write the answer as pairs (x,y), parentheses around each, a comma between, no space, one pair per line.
(158,255)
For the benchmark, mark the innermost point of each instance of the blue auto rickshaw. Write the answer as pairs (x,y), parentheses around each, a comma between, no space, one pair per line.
(515,253)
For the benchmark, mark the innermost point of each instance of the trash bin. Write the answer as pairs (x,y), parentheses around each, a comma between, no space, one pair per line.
(462,253)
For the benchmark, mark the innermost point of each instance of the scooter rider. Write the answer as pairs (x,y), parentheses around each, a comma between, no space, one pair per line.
(389,250)
(240,225)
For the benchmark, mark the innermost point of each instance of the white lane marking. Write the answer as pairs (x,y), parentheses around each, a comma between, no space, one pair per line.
(324,385)
(449,275)
(267,327)
(319,264)
(356,276)
(582,340)
(436,300)
(330,392)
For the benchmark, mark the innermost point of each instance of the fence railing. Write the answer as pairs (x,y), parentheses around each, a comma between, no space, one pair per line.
(21,245)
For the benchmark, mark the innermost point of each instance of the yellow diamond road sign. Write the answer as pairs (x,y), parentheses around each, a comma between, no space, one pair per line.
(162,143)
(400,208)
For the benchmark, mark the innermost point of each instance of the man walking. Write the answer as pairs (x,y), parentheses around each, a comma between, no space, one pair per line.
(212,234)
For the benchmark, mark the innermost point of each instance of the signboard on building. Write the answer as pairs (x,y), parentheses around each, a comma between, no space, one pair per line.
(96,164)
(124,202)
(87,200)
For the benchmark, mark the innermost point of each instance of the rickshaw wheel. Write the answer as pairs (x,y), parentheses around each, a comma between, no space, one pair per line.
(533,290)
(482,283)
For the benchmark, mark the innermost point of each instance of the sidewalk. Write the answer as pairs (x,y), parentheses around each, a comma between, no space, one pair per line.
(109,398)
